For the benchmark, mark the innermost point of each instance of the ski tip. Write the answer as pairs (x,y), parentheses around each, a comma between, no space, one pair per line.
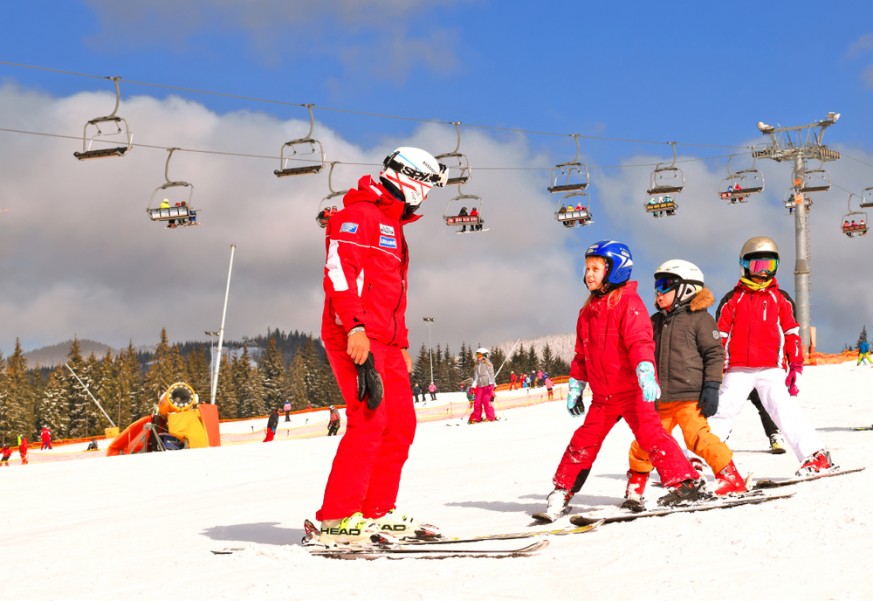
(581,520)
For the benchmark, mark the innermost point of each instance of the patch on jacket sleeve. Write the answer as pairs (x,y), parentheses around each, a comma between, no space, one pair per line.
(388,230)
(349,227)
(716,334)
(387,242)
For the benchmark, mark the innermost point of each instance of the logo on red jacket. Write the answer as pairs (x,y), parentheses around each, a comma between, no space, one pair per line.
(387,242)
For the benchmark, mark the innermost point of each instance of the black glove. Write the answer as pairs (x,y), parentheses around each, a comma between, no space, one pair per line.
(708,402)
(578,407)
(369,383)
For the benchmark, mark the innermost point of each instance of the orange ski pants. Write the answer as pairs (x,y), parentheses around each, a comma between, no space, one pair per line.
(695,431)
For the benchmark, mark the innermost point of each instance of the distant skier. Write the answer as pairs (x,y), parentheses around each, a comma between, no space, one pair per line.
(864,352)
(761,339)
(483,382)
(272,424)
(615,353)
(46,437)
(333,423)
(5,454)
(22,450)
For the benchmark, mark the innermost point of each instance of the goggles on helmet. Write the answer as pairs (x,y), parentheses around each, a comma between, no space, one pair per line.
(760,266)
(665,285)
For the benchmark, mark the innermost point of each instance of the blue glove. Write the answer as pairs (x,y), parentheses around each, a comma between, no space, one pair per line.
(648,384)
(574,397)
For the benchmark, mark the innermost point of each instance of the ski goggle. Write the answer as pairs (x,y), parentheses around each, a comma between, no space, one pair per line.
(756,266)
(665,285)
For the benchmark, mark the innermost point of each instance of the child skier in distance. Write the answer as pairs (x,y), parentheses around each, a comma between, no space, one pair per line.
(615,353)
(483,383)
(761,339)
(689,358)
(5,454)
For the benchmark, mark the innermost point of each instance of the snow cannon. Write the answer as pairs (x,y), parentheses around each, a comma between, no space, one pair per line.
(178,422)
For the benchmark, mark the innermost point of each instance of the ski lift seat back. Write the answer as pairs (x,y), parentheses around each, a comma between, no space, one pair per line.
(92,132)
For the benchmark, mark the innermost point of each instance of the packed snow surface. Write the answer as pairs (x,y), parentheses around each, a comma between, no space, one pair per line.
(143,526)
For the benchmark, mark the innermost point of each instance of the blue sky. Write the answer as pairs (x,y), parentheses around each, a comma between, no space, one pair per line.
(384,73)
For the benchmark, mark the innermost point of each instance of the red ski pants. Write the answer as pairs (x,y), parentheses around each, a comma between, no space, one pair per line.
(484,394)
(645,424)
(365,475)
(695,430)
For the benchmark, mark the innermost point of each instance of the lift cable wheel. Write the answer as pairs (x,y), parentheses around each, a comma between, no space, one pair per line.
(93,130)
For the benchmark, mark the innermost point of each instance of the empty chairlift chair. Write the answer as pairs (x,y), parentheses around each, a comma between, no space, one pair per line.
(303,156)
(111,129)
(325,207)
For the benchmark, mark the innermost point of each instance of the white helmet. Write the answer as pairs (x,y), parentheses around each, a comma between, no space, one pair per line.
(483,351)
(412,172)
(686,278)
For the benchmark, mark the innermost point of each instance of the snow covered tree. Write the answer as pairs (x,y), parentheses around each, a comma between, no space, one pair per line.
(272,368)
(248,385)
(497,359)
(297,382)
(19,393)
(50,407)
(166,368)
(421,367)
(131,402)
(197,367)
(862,337)
(225,394)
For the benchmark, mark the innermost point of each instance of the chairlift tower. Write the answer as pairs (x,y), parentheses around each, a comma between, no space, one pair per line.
(799,144)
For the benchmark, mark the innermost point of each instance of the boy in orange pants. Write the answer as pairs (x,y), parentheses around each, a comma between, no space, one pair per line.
(689,358)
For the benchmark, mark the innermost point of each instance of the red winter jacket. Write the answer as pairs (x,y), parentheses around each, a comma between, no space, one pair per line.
(758,328)
(612,338)
(365,272)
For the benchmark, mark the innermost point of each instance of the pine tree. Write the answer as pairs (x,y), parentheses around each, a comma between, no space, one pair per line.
(50,405)
(7,421)
(272,368)
(518,360)
(131,403)
(197,368)
(166,368)
(297,382)
(548,359)
(19,392)
(421,366)
(248,386)
(225,393)
(498,357)
(75,390)
(862,337)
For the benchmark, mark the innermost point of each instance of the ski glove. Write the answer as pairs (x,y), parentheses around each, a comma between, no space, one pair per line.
(648,383)
(708,403)
(794,370)
(574,397)
(369,383)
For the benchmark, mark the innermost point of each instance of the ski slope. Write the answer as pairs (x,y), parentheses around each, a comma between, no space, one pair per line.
(142,527)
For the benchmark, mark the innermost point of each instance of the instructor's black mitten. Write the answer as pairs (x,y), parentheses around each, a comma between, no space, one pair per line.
(369,383)
(708,402)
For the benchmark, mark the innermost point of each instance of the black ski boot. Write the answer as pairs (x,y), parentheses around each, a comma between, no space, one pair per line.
(687,493)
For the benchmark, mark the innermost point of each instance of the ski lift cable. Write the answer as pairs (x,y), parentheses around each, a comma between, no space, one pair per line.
(249,98)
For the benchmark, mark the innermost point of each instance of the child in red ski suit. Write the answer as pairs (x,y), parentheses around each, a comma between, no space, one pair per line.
(615,353)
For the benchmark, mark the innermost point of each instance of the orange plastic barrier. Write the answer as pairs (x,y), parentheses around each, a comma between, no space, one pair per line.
(131,440)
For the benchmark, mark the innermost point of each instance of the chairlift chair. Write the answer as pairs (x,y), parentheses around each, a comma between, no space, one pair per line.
(854,223)
(322,217)
(305,150)
(815,180)
(456,161)
(740,184)
(453,216)
(666,179)
(177,211)
(93,130)
(867,198)
(573,209)
(571,176)
(793,199)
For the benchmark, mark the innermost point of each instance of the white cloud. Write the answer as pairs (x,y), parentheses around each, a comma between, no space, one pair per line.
(78,254)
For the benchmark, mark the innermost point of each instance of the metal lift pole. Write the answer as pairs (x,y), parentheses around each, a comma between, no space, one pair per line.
(221,330)
(801,261)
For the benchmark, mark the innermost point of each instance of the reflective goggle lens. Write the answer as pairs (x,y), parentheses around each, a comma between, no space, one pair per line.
(756,266)
(665,285)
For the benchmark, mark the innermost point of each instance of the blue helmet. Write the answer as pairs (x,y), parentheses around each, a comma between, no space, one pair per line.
(618,261)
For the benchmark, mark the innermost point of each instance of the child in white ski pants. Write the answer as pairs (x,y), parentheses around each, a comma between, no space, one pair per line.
(735,388)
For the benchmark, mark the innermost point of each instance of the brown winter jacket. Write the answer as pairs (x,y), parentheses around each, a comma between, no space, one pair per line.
(688,349)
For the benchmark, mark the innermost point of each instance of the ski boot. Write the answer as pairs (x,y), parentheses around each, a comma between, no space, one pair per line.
(817,463)
(351,530)
(687,492)
(729,481)
(557,505)
(697,464)
(777,445)
(406,527)
(633,495)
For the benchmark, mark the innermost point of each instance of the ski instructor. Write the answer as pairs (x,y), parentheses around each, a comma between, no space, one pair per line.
(365,337)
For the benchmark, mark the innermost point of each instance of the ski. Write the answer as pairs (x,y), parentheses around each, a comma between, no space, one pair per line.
(762,484)
(312,532)
(422,552)
(862,428)
(617,515)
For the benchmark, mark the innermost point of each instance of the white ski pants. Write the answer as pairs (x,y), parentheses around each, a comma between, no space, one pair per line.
(770,382)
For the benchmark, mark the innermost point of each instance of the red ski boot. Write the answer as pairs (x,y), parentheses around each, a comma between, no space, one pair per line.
(729,481)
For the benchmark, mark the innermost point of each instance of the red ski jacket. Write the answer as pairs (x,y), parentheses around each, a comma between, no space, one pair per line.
(613,335)
(365,272)
(758,328)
